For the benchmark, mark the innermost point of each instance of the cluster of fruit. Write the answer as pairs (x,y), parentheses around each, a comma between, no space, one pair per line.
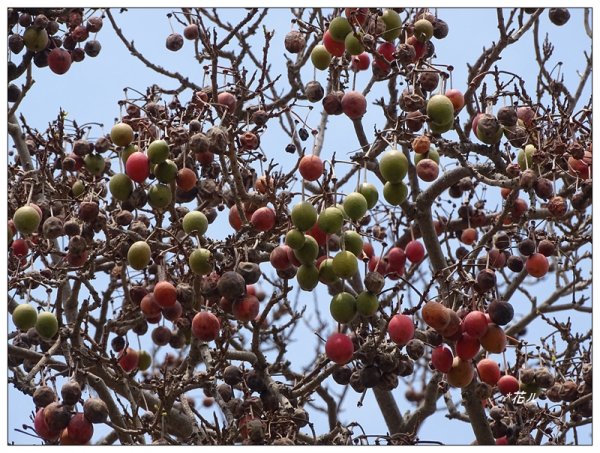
(39,31)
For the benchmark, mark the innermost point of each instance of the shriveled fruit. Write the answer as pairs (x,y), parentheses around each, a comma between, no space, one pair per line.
(95,410)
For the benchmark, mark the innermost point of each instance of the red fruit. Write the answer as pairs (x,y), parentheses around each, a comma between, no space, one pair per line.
(420,47)
(186,179)
(456,97)
(228,101)
(360,62)
(401,329)
(502,440)
(494,339)
(149,306)
(520,206)
(311,167)
(356,16)
(41,428)
(475,324)
(205,158)
(263,219)
(318,235)
(467,347)
(442,358)
(505,192)
(78,432)
(279,257)
(137,167)
(489,371)
(354,104)
(165,294)
(339,348)
(368,250)
(246,309)
(377,264)
(59,60)
(128,359)
(173,313)
(475,123)
(537,265)
(396,259)
(385,55)
(292,257)
(19,247)
(205,326)
(468,236)
(508,384)
(77,260)
(415,252)
(334,47)
(234,218)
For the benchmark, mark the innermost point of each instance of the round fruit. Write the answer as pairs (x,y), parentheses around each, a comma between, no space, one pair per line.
(415,252)
(128,151)
(200,261)
(401,329)
(489,371)
(367,303)
(166,171)
(307,276)
(165,294)
(494,339)
(468,236)
(354,104)
(525,157)
(41,427)
(423,30)
(138,255)
(308,253)
(158,151)
(24,317)
(508,384)
(95,410)
(345,264)
(475,324)
(144,362)
(227,100)
(320,57)
(326,274)
(263,219)
(360,62)
(334,47)
(395,193)
(353,243)
(137,167)
(311,167)
(27,220)
(456,97)
(339,348)
(393,166)
(500,312)
(78,432)
(59,60)
(121,134)
(435,315)
(46,324)
(537,265)
(120,186)
(246,309)
(442,358)
(128,359)
(369,191)
(205,326)
(353,44)
(195,221)
(461,374)
(35,40)
(393,24)
(304,215)
(428,170)
(186,179)
(355,205)
(343,307)
(339,28)
(159,196)
(331,220)
(467,347)
(440,109)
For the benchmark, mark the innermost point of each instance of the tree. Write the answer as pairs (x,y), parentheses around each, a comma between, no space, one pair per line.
(453,246)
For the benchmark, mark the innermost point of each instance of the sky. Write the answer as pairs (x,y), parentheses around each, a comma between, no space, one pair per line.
(89,92)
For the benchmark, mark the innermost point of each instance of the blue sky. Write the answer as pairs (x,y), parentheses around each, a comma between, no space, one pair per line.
(89,92)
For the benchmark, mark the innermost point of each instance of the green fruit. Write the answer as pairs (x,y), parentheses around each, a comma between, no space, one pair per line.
(331,220)
(339,28)
(441,128)
(369,191)
(393,24)
(353,44)
(395,194)
(304,216)
(367,303)
(195,221)
(341,208)
(24,316)
(158,151)
(138,255)
(307,276)
(128,151)
(326,274)
(94,163)
(393,166)
(355,205)
(345,264)
(353,242)
(320,57)
(440,110)
(294,239)
(46,324)
(431,154)
(120,186)
(78,188)
(26,220)
(521,157)
(121,134)
(159,196)
(165,171)
(423,30)
(200,261)
(144,360)
(308,253)
(35,40)
(343,307)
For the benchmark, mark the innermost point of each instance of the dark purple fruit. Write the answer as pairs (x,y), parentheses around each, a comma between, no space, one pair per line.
(526,247)
(231,285)
(174,42)
(232,375)
(515,263)
(70,393)
(501,312)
